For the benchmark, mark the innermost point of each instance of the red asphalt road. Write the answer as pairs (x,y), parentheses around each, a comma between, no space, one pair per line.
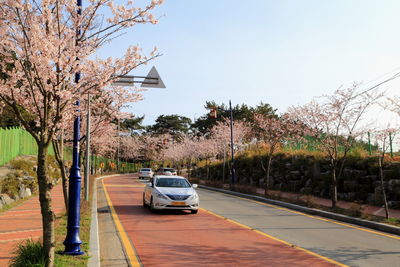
(203,239)
(24,221)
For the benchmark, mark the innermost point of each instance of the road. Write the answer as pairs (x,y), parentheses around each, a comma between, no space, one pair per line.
(230,231)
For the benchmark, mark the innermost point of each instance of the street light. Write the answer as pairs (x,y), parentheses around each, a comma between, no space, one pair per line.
(232,151)
(152,80)
(213,114)
(72,241)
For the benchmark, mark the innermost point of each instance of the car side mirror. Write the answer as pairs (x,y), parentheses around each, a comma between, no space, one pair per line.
(194,185)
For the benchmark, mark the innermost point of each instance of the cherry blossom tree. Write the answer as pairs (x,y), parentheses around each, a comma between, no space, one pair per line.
(189,148)
(104,111)
(40,53)
(335,123)
(182,151)
(382,140)
(273,131)
(153,147)
(130,147)
(206,149)
(221,133)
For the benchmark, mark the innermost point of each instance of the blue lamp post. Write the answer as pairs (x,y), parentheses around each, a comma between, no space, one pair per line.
(72,241)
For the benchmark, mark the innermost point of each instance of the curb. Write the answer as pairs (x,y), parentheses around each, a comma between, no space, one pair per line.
(94,245)
(339,217)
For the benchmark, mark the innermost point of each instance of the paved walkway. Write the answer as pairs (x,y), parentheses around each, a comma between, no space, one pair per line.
(24,221)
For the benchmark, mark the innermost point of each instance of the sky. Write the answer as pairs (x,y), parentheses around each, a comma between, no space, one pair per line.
(282,52)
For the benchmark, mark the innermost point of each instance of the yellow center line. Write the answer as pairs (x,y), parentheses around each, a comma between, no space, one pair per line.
(129,249)
(315,217)
(277,239)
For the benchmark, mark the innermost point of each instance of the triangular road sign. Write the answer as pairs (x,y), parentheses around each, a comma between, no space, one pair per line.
(153,80)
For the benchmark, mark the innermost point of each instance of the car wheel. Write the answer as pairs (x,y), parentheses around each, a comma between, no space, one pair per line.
(193,211)
(144,202)
(152,205)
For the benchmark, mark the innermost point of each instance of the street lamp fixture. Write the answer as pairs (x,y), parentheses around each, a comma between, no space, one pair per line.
(213,114)
(232,149)
(152,80)
(72,241)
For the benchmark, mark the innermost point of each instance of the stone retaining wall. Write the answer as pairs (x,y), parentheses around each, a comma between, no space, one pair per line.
(309,175)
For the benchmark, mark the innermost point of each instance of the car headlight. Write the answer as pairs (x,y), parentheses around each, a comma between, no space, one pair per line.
(160,195)
(194,196)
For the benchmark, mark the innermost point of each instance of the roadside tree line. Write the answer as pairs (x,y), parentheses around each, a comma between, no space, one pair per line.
(47,64)
(336,123)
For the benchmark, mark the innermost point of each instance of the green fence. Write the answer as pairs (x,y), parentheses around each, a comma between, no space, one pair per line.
(110,165)
(16,142)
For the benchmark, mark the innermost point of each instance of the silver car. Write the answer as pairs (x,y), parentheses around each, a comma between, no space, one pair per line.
(145,173)
(171,192)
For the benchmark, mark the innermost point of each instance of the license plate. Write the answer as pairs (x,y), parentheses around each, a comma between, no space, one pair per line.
(178,203)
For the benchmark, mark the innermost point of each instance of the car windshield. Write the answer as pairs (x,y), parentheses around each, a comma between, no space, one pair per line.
(145,170)
(169,170)
(172,182)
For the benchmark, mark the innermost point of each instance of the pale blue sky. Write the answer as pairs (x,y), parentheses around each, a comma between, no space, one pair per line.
(280,52)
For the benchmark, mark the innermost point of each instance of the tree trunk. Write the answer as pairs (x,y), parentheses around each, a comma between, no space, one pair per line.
(268,169)
(223,168)
(383,188)
(189,169)
(208,171)
(48,216)
(59,155)
(334,188)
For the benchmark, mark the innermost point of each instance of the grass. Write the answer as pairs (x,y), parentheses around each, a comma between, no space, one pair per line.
(29,253)
(60,234)
(393,221)
(61,231)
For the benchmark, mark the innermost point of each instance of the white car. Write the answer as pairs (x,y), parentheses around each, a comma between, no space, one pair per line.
(145,173)
(170,192)
(166,171)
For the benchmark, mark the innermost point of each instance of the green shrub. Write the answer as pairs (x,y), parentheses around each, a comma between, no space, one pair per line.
(25,165)
(10,185)
(355,210)
(29,253)
(394,221)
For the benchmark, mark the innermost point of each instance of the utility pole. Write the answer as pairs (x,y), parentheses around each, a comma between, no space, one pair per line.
(87,154)
(232,149)
(369,144)
(118,145)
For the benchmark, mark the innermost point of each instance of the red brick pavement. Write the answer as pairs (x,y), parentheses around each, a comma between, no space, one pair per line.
(24,221)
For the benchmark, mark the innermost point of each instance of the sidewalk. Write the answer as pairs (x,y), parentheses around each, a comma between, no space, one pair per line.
(24,221)
(368,209)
